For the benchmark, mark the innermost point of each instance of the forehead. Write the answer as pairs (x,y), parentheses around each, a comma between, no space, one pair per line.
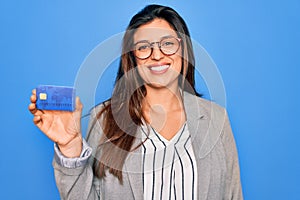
(154,31)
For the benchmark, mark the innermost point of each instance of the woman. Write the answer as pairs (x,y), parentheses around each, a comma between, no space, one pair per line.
(155,138)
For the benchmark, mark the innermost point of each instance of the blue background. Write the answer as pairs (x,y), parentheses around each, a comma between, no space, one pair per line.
(255,45)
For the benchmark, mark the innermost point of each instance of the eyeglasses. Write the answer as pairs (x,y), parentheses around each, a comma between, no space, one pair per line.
(168,46)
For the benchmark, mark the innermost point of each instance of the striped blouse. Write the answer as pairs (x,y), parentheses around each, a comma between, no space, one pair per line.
(169,166)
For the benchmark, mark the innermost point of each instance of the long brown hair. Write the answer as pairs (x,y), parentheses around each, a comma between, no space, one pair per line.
(122,114)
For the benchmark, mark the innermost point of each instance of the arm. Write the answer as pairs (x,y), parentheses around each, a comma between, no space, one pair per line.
(74,176)
(73,173)
(75,183)
(233,184)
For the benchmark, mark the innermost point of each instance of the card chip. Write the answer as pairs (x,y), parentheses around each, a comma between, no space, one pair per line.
(43,96)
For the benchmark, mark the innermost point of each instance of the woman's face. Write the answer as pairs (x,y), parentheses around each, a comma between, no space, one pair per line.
(159,69)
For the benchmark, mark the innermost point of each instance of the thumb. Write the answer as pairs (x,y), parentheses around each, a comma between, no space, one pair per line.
(78,109)
(78,105)
(77,114)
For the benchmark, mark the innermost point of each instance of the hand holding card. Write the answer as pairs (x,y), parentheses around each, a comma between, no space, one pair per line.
(48,106)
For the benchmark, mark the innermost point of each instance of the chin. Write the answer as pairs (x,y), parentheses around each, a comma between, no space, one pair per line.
(162,84)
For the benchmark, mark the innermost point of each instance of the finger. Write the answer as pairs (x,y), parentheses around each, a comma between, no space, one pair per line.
(44,122)
(37,120)
(33,98)
(32,108)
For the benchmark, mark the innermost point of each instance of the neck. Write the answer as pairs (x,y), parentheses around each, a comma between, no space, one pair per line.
(167,97)
(163,109)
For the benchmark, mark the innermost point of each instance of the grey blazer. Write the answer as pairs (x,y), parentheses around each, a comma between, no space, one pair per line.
(213,145)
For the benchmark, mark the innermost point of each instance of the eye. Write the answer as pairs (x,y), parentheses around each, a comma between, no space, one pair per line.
(142,46)
(167,43)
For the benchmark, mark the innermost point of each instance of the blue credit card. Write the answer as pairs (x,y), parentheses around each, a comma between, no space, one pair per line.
(51,97)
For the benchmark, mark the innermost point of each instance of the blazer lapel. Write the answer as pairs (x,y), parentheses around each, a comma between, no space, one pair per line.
(205,123)
(197,120)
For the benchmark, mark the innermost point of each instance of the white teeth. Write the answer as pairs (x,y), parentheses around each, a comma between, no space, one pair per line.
(159,68)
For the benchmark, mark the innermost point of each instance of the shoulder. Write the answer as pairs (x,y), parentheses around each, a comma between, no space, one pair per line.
(209,105)
(97,115)
(199,107)
(207,123)
(98,108)
(95,128)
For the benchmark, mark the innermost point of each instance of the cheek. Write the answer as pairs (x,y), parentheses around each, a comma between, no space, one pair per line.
(177,60)
(177,64)
(141,70)
(140,63)
(139,66)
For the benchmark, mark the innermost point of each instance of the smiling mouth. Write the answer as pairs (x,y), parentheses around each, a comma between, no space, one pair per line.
(160,68)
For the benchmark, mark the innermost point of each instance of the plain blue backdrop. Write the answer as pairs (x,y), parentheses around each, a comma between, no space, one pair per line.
(255,45)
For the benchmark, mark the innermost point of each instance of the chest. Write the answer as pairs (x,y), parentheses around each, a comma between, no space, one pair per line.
(166,123)
(169,167)
(210,177)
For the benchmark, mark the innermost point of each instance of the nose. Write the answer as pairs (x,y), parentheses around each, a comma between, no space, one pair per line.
(156,52)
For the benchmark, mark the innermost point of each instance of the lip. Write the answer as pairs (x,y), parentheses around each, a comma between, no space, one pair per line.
(159,68)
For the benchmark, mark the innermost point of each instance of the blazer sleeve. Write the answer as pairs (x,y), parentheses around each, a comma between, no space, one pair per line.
(233,189)
(74,178)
